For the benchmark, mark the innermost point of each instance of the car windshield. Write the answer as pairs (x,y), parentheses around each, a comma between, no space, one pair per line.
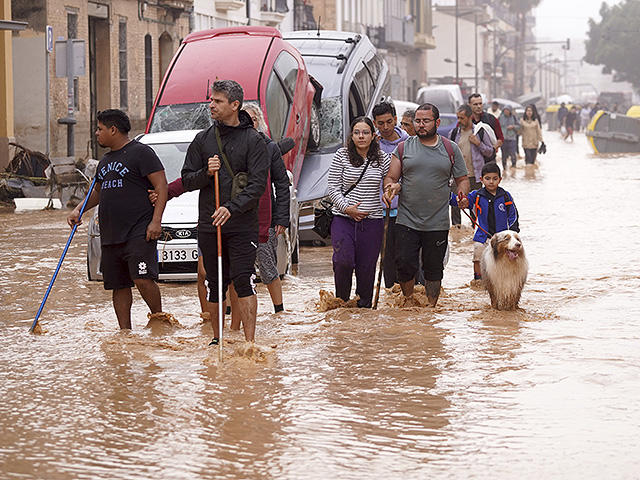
(172,157)
(186,116)
(331,123)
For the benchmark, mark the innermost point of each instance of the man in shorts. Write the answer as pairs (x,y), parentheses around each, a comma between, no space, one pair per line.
(425,166)
(129,224)
(237,215)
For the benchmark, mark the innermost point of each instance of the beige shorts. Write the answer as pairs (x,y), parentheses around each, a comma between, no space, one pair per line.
(478,248)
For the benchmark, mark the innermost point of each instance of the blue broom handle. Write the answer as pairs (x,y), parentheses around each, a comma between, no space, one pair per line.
(55,274)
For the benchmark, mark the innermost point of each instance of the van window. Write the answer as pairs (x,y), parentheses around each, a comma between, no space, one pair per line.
(278,106)
(375,66)
(287,68)
(331,123)
(356,107)
(365,86)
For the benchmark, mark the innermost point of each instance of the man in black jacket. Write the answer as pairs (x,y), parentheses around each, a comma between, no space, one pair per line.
(237,216)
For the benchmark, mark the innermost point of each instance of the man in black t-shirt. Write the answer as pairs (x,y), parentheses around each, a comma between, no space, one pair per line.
(129,224)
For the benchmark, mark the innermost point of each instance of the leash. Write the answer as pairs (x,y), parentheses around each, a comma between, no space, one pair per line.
(475,224)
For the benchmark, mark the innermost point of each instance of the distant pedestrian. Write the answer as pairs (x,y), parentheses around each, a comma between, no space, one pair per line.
(562,112)
(354,180)
(510,127)
(585,117)
(570,123)
(129,224)
(425,164)
(495,109)
(595,109)
(531,135)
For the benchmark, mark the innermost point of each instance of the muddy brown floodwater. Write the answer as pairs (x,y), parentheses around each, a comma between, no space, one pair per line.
(462,391)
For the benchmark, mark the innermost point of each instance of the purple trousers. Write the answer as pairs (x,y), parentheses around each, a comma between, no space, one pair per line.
(356,246)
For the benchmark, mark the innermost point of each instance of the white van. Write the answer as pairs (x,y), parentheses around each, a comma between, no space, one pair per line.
(446,97)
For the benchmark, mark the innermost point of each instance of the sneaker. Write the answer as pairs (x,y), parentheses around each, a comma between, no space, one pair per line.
(215,341)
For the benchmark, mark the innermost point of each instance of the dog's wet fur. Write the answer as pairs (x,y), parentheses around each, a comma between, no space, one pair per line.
(504,270)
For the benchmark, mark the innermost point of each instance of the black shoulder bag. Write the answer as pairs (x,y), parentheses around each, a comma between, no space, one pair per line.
(240,180)
(323,215)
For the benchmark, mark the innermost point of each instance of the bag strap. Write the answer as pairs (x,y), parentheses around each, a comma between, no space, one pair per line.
(224,157)
(357,181)
(449,148)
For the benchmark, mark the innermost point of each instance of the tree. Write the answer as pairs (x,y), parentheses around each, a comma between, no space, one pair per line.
(614,43)
(520,8)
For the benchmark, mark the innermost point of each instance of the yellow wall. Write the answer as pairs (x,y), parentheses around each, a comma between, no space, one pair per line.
(6,86)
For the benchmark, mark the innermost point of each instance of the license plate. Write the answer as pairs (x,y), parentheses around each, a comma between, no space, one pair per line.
(167,254)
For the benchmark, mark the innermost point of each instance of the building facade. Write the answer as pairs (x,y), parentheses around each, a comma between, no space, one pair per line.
(400,29)
(125,46)
(122,48)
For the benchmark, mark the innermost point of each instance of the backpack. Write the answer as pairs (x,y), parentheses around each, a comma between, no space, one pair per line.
(490,158)
(448,147)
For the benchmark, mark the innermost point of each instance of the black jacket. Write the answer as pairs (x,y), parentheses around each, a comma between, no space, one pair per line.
(246,152)
(280,208)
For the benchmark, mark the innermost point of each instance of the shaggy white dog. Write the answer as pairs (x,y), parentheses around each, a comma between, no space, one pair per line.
(504,270)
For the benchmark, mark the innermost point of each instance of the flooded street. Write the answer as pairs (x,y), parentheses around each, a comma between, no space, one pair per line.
(462,391)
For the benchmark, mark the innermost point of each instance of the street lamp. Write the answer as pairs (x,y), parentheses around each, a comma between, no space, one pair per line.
(475,11)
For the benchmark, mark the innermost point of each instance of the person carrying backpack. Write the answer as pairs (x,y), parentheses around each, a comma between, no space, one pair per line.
(426,164)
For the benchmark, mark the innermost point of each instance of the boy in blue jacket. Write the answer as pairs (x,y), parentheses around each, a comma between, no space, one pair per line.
(494,208)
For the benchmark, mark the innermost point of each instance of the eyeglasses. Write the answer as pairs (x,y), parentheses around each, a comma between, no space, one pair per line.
(419,121)
(364,133)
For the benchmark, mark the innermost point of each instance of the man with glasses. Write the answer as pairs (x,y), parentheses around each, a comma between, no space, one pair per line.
(425,163)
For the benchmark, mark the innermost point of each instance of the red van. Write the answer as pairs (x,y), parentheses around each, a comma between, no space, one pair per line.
(270,70)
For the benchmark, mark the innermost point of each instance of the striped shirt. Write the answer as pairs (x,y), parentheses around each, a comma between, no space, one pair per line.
(342,175)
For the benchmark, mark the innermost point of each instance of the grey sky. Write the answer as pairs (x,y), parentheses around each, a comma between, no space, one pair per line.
(561,19)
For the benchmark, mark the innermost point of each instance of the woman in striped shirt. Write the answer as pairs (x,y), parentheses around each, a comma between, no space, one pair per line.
(357,227)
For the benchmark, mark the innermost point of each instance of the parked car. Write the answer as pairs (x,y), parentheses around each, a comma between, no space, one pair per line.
(446,97)
(354,78)
(447,122)
(272,74)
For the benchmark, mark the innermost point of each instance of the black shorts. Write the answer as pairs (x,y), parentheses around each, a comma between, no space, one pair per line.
(434,249)
(238,262)
(123,263)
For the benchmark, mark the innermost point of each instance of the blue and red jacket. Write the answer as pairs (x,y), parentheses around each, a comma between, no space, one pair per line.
(505,212)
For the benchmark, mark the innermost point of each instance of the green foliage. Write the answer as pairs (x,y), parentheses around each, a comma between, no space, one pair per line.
(614,42)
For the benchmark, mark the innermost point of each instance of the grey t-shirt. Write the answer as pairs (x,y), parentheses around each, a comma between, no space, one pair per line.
(424,198)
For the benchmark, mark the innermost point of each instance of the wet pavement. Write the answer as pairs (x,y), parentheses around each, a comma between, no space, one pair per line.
(462,391)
